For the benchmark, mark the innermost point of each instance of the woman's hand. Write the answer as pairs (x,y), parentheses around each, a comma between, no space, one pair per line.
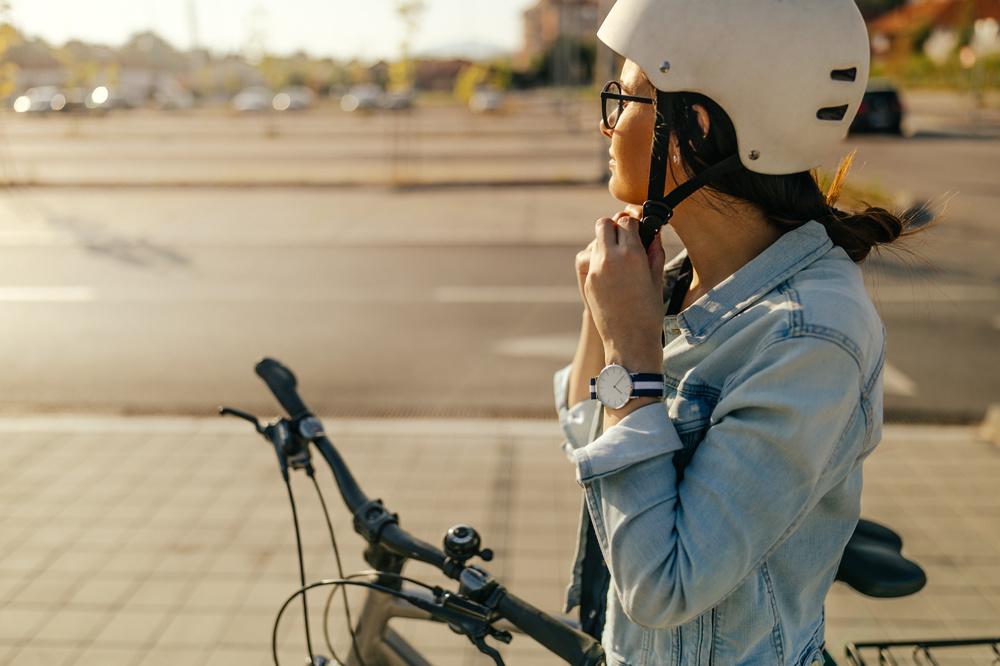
(623,289)
(583,256)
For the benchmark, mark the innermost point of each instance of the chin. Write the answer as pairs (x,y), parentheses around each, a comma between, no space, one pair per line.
(624,192)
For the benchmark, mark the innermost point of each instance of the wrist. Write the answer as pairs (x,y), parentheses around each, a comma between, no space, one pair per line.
(614,416)
(648,362)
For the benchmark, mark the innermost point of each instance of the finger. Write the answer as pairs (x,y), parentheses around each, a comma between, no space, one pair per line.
(634,211)
(606,234)
(622,214)
(629,234)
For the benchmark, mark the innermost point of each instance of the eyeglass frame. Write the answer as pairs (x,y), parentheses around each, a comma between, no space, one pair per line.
(606,95)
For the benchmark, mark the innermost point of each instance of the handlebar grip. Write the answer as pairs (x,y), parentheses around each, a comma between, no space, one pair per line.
(571,645)
(283,385)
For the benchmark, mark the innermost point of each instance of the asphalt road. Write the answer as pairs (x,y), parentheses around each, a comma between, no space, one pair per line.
(441,301)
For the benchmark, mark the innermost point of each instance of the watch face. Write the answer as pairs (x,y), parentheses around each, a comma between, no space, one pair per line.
(614,386)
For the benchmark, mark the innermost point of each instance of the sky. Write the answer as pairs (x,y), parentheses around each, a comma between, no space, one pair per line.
(365,29)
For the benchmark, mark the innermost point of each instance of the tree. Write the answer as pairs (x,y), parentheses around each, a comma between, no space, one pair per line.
(9,37)
(410,12)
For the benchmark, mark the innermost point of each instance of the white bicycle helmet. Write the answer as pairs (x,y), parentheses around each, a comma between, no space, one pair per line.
(789,73)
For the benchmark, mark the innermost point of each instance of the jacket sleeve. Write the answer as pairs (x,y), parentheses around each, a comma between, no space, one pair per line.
(577,422)
(677,550)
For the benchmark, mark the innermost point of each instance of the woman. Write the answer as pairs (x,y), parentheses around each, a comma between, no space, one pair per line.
(719,438)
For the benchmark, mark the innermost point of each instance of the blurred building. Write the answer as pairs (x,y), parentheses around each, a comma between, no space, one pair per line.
(548,20)
(936,27)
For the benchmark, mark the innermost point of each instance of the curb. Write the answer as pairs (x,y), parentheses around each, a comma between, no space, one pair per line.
(989,431)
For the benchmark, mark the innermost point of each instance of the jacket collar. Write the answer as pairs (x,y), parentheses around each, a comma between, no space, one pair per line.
(792,252)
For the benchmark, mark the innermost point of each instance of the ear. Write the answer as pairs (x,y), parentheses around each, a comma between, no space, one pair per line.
(703,120)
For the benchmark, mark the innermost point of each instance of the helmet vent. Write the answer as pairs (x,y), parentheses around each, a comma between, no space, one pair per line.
(845,74)
(832,113)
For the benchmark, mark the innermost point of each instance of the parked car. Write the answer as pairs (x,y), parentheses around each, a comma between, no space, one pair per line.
(361,98)
(43,99)
(173,97)
(397,101)
(296,98)
(100,99)
(486,101)
(253,99)
(881,111)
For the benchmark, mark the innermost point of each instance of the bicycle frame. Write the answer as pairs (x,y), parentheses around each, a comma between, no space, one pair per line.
(377,642)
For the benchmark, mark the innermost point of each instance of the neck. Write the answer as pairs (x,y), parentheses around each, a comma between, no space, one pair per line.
(719,243)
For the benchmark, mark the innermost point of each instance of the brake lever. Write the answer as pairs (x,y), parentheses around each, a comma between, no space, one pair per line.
(467,617)
(240,414)
(487,650)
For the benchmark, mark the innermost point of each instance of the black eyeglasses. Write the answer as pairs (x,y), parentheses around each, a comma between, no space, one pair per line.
(613,103)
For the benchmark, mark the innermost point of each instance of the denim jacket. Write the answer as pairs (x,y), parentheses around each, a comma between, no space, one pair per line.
(722,512)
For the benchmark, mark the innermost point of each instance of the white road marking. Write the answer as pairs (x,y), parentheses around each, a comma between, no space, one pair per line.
(47,295)
(548,347)
(506,295)
(896,383)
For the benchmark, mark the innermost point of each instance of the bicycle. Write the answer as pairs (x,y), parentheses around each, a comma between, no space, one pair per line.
(482,608)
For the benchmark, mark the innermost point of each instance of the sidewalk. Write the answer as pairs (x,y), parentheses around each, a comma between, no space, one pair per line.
(169,541)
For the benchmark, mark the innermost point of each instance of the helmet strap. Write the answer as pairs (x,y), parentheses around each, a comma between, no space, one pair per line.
(658,209)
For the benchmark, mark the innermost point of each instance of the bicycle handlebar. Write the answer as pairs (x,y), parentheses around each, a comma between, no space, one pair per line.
(283,385)
(571,645)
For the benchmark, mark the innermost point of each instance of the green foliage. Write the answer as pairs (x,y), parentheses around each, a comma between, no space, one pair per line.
(401,75)
(468,81)
(9,37)
(919,71)
(502,76)
(919,36)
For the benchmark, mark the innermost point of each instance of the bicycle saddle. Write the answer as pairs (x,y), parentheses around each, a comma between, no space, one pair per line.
(874,566)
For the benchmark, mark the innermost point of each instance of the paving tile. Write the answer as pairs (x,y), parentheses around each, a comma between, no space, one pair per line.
(103,591)
(227,657)
(71,625)
(178,657)
(160,592)
(218,594)
(48,588)
(193,629)
(107,656)
(20,624)
(9,584)
(41,655)
(133,627)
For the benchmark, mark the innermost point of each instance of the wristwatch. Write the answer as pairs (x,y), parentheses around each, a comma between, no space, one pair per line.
(615,386)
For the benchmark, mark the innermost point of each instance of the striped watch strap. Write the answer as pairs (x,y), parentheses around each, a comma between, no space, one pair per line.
(644,385)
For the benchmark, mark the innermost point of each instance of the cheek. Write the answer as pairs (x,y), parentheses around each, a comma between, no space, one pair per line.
(630,174)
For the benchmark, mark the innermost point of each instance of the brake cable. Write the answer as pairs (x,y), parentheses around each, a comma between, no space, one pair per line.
(460,613)
(340,572)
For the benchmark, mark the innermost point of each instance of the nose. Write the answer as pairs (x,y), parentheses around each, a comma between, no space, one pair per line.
(605,130)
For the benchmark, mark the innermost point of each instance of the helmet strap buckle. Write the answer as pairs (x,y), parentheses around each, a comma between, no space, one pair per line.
(655,216)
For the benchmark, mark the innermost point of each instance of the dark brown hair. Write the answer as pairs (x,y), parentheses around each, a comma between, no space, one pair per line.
(788,201)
